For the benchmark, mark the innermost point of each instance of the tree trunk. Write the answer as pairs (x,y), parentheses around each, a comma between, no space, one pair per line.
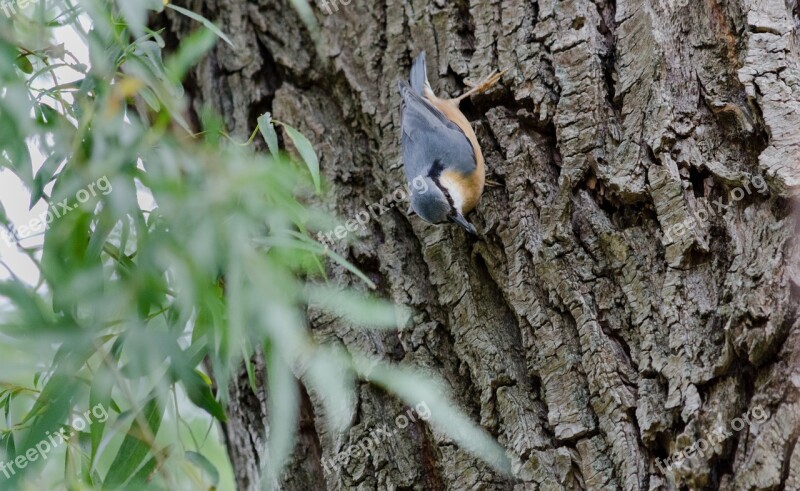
(634,290)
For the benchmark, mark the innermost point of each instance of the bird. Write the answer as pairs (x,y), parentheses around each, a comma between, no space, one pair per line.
(441,149)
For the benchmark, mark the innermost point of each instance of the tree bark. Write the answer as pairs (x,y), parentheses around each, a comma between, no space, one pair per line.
(634,290)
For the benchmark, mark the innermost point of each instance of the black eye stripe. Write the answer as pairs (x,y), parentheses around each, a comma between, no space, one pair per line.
(436,170)
(449,200)
(434,174)
(446,194)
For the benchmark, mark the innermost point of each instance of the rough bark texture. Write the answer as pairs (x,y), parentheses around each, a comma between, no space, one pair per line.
(624,300)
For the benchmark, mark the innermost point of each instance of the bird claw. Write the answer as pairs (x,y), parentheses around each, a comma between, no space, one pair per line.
(482,86)
(493,184)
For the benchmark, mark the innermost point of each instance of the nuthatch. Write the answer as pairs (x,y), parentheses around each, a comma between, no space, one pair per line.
(440,147)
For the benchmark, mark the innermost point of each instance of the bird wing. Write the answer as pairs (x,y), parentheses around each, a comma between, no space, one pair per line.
(428,136)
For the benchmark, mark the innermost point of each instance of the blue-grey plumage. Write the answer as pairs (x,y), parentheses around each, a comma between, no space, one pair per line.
(440,147)
(419,75)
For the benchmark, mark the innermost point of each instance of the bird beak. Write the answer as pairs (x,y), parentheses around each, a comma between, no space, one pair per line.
(459,219)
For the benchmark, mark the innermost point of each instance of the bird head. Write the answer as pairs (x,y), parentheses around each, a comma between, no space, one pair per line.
(431,203)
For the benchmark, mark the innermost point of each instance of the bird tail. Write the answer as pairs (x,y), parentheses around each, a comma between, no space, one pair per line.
(419,75)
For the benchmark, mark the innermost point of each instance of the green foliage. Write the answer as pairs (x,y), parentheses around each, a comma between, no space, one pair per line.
(145,313)
(210,25)
(307,152)
(138,441)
